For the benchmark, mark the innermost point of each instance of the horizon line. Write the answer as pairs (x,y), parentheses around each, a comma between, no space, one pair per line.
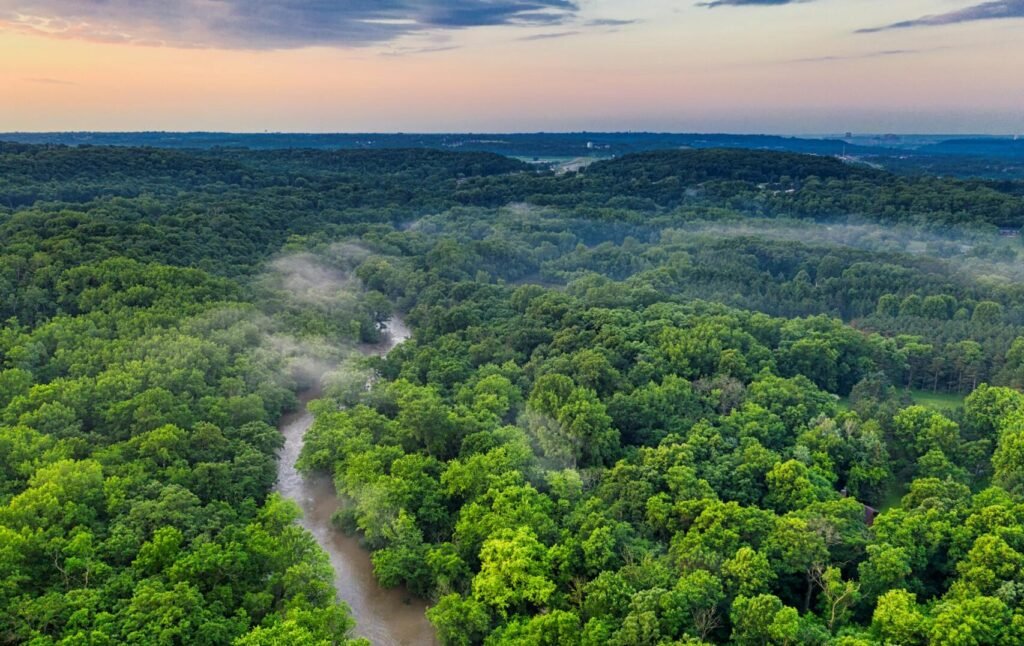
(440,133)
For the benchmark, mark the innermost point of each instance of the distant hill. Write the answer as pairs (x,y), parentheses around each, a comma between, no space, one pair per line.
(995,158)
(986,147)
(605,144)
(756,166)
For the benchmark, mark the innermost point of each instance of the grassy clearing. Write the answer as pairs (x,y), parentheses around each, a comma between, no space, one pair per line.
(938,401)
(893,495)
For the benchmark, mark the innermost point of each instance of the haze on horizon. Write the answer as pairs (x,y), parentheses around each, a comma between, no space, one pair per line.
(772,66)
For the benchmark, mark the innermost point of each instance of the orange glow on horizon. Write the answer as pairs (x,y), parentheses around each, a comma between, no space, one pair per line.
(705,74)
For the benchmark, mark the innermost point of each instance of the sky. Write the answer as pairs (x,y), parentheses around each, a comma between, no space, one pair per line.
(755,66)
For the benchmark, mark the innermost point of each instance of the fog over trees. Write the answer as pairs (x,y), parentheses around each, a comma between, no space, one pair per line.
(676,397)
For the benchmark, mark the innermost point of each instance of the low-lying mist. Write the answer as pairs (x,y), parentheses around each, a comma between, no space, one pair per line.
(978,256)
(312,305)
(324,278)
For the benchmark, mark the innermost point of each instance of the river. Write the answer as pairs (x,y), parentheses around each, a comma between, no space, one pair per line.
(386,617)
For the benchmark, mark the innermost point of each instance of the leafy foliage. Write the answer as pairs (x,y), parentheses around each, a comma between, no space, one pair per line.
(657,401)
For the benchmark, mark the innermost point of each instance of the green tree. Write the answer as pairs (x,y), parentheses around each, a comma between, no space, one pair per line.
(571,424)
(459,621)
(514,572)
(789,488)
(899,619)
(748,573)
(764,620)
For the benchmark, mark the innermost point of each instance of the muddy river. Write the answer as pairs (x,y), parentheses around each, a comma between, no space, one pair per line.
(386,617)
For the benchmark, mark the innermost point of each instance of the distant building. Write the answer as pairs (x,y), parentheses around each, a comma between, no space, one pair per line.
(869,512)
(869,515)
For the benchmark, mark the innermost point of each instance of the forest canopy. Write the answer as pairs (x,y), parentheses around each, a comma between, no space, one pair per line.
(688,396)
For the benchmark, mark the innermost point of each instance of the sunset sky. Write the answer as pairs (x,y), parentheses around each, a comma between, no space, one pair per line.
(802,67)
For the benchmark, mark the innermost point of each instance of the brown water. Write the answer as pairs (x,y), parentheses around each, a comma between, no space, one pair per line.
(386,617)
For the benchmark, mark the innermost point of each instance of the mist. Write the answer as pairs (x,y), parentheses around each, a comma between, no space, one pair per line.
(323,278)
(313,307)
(971,254)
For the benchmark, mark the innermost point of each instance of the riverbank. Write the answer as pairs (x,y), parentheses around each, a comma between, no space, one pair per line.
(387,617)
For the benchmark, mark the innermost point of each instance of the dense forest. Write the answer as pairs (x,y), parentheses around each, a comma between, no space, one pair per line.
(678,397)
(995,158)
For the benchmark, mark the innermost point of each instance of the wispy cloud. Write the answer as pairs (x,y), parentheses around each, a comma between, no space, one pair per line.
(853,57)
(409,51)
(609,22)
(998,10)
(47,81)
(550,36)
(269,24)
(747,3)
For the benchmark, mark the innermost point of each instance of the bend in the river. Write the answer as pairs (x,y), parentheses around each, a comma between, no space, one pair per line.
(388,617)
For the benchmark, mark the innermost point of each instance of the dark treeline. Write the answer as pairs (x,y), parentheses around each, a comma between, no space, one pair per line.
(546,144)
(996,158)
(645,403)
